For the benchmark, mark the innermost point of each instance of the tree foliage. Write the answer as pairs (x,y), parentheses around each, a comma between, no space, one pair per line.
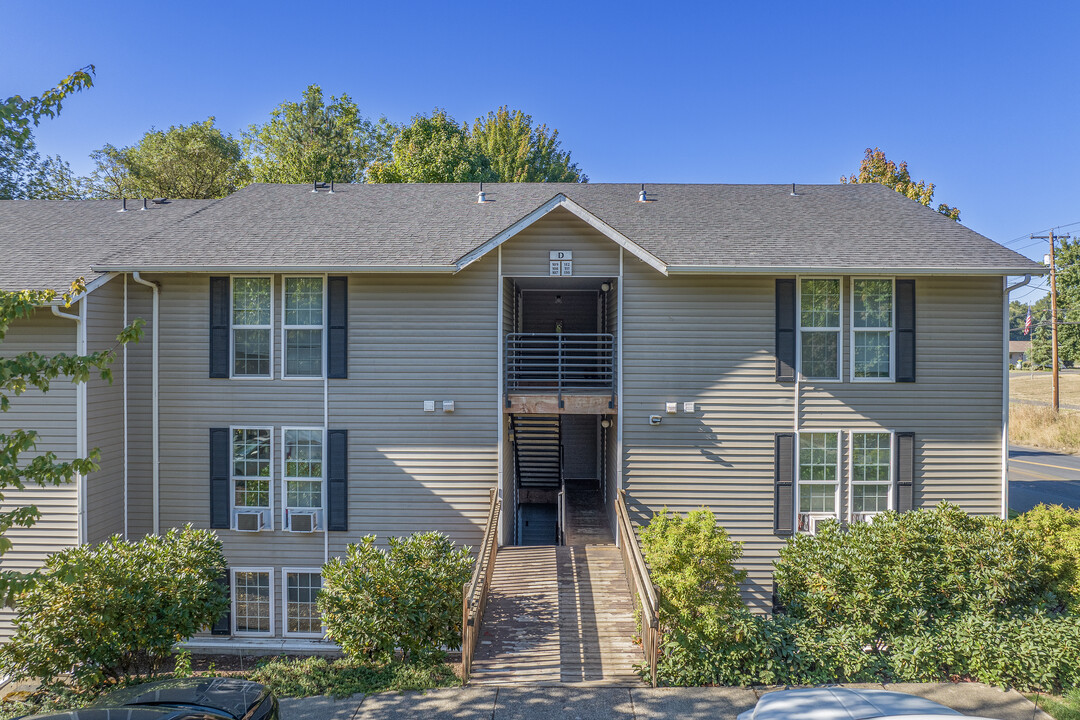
(18,117)
(195,161)
(876,168)
(433,149)
(114,610)
(520,152)
(408,596)
(18,374)
(316,141)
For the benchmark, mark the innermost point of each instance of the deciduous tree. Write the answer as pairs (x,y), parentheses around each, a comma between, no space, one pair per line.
(316,141)
(186,161)
(433,149)
(876,168)
(24,371)
(518,151)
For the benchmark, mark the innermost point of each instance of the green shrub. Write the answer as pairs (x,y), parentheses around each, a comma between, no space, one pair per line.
(903,570)
(116,609)
(692,564)
(1034,651)
(342,677)
(406,597)
(1057,529)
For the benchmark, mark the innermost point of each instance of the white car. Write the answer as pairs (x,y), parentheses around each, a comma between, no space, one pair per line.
(838,703)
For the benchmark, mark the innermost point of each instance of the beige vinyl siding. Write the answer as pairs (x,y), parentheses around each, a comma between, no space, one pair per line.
(526,254)
(710,340)
(53,416)
(411,338)
(140,413)
(105,414)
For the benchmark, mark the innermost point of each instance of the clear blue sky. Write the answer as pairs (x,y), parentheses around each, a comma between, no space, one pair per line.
(979,97)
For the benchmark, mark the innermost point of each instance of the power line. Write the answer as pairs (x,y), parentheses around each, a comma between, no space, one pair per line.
(1027,236)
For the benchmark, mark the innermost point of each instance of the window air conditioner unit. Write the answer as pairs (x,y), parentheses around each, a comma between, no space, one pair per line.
(303,521)
(250,520)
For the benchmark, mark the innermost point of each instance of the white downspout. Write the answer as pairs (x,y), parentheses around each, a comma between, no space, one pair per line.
(80,413)
(156,463)
(125,351)
(1005,394)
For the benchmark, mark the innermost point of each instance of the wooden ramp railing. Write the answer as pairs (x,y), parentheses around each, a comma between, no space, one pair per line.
(475,592)
(641,587)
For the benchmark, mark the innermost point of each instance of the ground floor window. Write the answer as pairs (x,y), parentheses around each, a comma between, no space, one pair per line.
(871,474)
(301,591)
(253,601)
(818,475)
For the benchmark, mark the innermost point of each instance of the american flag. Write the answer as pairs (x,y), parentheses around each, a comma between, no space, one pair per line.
(1027,323)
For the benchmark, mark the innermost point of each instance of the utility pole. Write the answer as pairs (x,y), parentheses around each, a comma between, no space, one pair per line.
(1053,315)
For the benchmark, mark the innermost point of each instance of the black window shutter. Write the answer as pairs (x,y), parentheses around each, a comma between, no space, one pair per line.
(223,626)
(784,490)
(337,321)
(905,470)
(785,330)
(219,327)
(905,331)
(337,480)
(219,478)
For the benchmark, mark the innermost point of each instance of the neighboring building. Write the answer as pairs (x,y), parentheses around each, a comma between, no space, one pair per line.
(374,360)
(1018,352)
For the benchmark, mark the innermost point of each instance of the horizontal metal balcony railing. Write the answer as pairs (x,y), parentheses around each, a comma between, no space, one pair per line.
(560,363)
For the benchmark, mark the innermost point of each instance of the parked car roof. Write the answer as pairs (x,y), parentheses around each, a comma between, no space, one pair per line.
(840,703)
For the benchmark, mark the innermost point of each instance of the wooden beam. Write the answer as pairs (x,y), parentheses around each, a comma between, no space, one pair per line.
(572,404)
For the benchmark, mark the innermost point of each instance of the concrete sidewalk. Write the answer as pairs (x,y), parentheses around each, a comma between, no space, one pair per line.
(600,703)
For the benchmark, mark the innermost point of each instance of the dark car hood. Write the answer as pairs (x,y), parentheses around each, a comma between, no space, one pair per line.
(145,712)
(231,695)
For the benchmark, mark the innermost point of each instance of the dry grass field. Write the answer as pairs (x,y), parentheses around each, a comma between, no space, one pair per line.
(1039,426)
(1024,385)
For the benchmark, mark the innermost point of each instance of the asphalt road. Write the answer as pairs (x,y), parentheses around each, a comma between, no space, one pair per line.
(1038,476)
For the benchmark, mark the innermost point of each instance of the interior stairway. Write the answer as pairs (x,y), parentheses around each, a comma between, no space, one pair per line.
(537,449)
(558,614)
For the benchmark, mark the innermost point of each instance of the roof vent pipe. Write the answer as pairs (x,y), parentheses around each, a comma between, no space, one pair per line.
(314,186)
(793,193)
(144,203)
(123,205)
(642,197)
(480,196)
(331,187)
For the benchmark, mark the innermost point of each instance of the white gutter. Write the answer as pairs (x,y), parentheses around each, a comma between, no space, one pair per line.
(802,269)
(80,414)
(1005,393)
(279,268)
(156,288)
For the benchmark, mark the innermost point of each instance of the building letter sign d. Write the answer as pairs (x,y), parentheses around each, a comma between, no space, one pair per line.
(560,262)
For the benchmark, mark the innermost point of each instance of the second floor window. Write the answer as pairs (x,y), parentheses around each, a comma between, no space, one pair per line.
(303,327)
(872,329)
(819,328)
(252,319)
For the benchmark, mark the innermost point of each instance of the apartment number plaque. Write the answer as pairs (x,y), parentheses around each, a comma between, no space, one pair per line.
(560,262)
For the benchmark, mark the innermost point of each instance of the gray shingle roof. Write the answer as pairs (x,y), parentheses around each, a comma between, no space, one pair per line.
(720,227)
(45,244)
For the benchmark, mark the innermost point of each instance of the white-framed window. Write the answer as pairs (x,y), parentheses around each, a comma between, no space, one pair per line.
(303,470)
(303,326)
(817,474)
(253,601)
(300,588)
(873,312)
(251,320)
(821,303)
(251,468)
(869,474)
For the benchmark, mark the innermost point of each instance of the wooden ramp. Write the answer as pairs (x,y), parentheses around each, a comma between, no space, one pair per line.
(558,615)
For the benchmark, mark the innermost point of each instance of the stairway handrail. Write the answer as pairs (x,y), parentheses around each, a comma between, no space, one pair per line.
(474,593)
(640,585)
